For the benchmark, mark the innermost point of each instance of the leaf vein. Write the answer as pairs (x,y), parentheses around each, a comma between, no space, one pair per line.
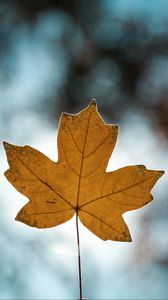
(50,212)
(96,217)
(45,183)
(98,146)
(113,193)
(97,167)
(73,138)
(73,170)
(81,167)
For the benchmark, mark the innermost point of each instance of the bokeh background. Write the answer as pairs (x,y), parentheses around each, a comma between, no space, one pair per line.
(56,56)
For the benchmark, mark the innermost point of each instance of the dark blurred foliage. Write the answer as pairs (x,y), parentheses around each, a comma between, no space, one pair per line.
(114,60)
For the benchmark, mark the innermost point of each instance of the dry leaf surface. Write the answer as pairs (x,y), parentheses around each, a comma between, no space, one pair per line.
(78,182)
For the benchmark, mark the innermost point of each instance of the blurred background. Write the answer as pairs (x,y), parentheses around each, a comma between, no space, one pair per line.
(56,56)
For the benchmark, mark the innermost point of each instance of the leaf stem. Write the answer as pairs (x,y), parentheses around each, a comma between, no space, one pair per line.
(79,259)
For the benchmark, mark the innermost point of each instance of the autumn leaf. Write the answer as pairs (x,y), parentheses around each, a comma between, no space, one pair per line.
(78,182)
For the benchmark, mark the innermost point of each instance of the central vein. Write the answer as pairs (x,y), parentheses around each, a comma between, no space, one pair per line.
(82,160)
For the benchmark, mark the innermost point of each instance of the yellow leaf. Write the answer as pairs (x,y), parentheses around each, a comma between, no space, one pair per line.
(78,182)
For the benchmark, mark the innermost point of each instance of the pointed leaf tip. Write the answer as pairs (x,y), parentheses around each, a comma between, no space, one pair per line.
(8,146)
(5,144)
(64,114)
(93,102)
(128,239)
(17,218)
(116,126)
(160,173)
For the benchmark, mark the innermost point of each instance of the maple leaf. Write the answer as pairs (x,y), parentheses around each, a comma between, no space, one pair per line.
(78,182)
